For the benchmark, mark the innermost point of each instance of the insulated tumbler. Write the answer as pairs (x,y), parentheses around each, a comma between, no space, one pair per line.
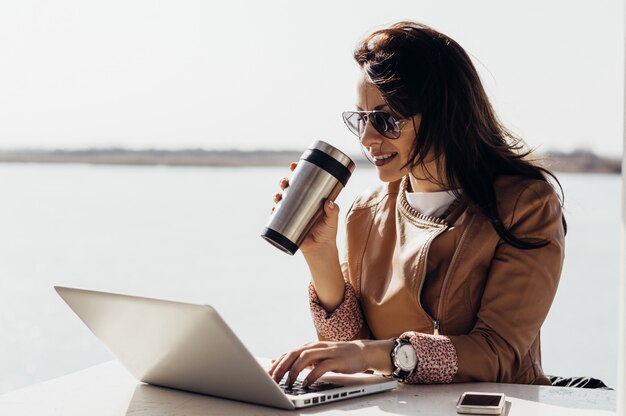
(322,172)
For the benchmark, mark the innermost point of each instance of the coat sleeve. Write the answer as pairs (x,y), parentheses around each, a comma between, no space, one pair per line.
(520,287)
(344,323)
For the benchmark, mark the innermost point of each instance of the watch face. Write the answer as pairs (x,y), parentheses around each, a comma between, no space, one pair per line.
(406,357)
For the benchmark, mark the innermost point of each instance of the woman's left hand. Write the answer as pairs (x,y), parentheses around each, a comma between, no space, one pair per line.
(340,357)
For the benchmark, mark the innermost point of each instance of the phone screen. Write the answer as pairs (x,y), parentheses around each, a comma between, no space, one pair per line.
(481,400)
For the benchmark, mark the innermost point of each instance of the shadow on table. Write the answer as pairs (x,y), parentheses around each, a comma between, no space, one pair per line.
(153,400)
(406,400)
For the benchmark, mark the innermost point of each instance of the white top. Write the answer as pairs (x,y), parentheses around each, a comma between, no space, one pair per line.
(432,204)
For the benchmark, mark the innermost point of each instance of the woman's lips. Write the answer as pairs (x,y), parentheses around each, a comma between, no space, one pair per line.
(384,158)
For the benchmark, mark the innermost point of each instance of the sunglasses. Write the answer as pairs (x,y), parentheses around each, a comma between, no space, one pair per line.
(382,121)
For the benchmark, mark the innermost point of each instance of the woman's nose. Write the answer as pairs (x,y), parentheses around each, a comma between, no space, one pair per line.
(370,136)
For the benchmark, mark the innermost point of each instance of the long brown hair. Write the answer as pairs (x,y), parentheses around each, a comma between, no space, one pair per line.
(421,71)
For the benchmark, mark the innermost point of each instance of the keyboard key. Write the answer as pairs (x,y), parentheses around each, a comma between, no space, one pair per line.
(297,389)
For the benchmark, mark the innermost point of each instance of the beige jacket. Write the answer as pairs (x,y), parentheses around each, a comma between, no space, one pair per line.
(456,277)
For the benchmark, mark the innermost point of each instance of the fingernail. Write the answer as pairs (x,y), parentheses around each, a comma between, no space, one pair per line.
(331,204)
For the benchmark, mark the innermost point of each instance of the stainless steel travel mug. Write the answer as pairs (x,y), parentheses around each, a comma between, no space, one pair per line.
(322,173)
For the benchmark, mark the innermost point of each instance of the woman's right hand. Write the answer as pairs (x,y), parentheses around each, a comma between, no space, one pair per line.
(323,235)
(320,252)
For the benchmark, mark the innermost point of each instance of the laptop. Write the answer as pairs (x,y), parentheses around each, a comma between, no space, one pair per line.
(189,347)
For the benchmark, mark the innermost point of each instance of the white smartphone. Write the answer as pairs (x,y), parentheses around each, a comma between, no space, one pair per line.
(479,403)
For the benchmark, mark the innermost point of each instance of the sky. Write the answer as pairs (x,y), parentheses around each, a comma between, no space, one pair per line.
(277,74)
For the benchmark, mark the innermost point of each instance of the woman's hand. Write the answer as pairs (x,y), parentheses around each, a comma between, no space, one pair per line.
(340,357)
(321,254)
(324,233)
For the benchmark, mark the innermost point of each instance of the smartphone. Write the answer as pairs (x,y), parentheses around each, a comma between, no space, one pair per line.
(481,403)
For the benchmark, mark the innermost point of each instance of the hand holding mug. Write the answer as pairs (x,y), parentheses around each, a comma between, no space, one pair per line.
(305,216)
(324,232)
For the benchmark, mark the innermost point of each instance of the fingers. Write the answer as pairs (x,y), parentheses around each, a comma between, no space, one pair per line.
(275,364)
(332,213)
(321,357)
(277,197)
(282,365)
(307,358)
(277,361)
(286,361)
(284,182)
(319,370)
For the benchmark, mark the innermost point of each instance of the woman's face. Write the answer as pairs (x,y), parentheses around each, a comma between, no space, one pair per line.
(390,155)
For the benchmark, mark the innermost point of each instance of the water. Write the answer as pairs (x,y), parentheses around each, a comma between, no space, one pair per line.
(192,234)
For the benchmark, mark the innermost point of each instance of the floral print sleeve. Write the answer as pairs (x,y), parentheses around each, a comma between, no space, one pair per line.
(438,362)
(344,322)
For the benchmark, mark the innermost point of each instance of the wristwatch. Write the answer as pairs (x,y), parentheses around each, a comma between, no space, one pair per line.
(403,358)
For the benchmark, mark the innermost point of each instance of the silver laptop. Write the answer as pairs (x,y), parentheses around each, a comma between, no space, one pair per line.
(190,347)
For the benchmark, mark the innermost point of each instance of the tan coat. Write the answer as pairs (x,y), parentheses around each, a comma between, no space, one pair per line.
(455,276)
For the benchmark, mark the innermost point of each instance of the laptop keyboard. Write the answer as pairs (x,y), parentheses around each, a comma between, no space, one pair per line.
(297,389)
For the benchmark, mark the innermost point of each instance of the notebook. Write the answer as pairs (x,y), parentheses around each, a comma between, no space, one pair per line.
(189,347)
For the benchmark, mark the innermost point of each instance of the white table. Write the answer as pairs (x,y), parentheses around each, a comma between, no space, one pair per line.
(108,389)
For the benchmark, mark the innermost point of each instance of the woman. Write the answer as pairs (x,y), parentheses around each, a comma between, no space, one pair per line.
(452,265)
